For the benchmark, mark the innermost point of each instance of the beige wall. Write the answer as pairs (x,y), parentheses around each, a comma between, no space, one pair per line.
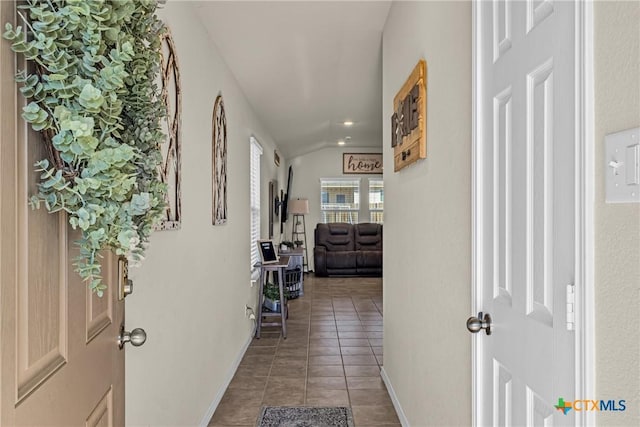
(308,169)
(427,276)
(617,226)
(191,290)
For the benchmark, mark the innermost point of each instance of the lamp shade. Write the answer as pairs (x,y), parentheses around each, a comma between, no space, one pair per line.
(299,206)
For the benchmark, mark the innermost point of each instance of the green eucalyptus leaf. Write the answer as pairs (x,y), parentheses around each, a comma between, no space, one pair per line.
(91,97)
(93,90)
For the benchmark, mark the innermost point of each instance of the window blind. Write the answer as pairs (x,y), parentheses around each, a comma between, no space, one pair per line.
(340,200)
(376,200)
(256,152)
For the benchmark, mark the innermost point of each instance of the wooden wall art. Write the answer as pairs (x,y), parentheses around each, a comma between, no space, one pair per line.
(219,159)
(170,172)
(409,120)
(361,163)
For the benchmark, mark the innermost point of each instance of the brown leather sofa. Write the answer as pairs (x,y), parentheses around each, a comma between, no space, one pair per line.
(343,249)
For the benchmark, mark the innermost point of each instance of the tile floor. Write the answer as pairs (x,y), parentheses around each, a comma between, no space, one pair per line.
(331,357)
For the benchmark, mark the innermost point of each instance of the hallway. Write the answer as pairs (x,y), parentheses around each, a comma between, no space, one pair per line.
(331,357)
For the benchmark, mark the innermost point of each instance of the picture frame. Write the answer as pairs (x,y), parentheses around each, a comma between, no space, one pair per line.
(362,163)
(267,252)
(274,206)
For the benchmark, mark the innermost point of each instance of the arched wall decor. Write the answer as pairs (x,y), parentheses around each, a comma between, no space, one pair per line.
(170,172)
(219,162)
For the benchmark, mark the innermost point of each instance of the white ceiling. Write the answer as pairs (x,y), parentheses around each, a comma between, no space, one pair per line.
(306,67)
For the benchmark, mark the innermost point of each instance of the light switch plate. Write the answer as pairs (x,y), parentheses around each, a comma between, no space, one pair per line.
(622,166)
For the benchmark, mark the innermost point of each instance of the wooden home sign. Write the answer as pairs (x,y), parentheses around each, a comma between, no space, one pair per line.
(362,163)
(409,119)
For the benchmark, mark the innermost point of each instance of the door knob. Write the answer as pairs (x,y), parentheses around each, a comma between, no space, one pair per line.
(137,337)
(475,324)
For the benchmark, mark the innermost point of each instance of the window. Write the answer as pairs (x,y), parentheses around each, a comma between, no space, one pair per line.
(376,200)
(254,167)
(340,200)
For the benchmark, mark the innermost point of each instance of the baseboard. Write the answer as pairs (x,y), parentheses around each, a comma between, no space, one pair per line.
(394,399)
(218,397)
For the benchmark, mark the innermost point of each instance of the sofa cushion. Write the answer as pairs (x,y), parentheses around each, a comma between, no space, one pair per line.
(339,229)
(341,260)
(369,259)
(368,229)
(368,237)
(335,237)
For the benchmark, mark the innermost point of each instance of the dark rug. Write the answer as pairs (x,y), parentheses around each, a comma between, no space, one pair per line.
(305,416)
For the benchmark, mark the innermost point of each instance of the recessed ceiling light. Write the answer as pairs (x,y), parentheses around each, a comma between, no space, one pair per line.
(341,142)
(348,123)
(347,138)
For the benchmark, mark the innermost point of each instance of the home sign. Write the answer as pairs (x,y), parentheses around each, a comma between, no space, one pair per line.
(362,163)
(409,119)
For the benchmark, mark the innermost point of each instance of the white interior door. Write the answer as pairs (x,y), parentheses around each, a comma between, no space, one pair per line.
(525,237)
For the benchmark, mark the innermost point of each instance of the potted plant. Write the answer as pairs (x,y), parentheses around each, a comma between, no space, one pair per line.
(272,297)
(298,243)
(286,245)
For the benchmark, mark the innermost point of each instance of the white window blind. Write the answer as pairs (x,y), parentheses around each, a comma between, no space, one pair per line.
(340,200)
(256,152)
(376,200)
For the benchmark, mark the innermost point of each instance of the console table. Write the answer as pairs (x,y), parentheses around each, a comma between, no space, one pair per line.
(279,268)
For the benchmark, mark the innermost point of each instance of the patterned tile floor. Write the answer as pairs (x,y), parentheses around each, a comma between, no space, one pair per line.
(331,357)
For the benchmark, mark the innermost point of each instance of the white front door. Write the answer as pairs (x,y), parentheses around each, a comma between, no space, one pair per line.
(525,209)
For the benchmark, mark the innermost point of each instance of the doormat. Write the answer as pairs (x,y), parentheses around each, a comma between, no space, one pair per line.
(298,416)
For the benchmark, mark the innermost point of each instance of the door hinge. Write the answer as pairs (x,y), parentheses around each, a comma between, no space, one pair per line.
(571,304)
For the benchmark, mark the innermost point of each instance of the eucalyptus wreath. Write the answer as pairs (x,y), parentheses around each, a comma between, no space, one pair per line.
(91,92)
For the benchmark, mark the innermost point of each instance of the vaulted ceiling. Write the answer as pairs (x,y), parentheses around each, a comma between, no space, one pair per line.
(306,67)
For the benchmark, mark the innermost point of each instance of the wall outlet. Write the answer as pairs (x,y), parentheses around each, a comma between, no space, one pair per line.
(248,312)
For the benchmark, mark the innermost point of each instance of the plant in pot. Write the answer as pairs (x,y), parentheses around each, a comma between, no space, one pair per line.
(286,245)
(272,297)
(298,243)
